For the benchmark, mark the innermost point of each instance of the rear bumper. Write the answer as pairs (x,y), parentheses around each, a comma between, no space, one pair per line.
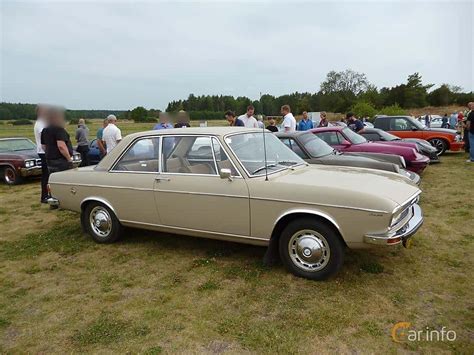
(402,234)
(456,146)
(34,171)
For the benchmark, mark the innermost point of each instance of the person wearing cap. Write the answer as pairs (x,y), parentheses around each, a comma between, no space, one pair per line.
(82,133)
(112,134)
(305,123)
(233,121)
(164,122)
(353,123)
(289,121)
(248,119)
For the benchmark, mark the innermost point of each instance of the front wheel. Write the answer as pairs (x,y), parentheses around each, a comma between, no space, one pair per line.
(101,223)
(440,145)
(10,176)
(311,249)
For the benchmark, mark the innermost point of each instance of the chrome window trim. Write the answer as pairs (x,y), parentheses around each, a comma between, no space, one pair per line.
(202,193)
(106,186)
(243,166)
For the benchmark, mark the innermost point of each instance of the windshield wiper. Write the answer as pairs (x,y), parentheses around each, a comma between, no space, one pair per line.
(263,167)
(287,162)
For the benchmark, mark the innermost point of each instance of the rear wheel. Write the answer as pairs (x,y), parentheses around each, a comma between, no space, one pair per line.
(311,249)
(10,176)
(440,145)
(101,223)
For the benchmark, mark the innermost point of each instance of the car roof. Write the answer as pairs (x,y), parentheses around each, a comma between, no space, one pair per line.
(291,134)
(216,131)
(327,129)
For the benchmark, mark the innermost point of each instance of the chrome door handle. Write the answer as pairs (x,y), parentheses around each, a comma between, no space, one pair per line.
(162,178)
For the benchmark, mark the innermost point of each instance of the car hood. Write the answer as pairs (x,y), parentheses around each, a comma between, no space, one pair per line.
(348,187)
(353,160)
(443,130)
(21,154)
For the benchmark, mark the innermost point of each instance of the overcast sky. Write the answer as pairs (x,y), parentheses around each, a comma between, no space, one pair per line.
(119,55)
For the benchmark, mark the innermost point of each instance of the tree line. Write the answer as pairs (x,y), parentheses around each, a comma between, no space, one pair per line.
(340,92)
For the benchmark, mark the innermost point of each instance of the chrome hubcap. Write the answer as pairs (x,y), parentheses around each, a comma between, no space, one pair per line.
(309,250)
(100,221)
(9,175)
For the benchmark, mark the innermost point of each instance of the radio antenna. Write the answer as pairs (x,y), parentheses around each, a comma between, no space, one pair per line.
(264,142)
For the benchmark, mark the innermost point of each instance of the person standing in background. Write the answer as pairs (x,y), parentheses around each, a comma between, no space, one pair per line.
(289,121)
(248,119)
(82,134)
(233,121)
(164,122)
(453,120)
(427,121)
(182,120)
(112,134)
(444,121)
(353,123)
(40,124)
(260,122)
(305,123)
(100,142)
(56,142)
(271,124)
(470,131)
(324,120)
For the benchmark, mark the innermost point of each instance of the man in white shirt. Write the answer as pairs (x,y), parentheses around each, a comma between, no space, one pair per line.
(248,119)
(112,134)
(40,124)
(289,122)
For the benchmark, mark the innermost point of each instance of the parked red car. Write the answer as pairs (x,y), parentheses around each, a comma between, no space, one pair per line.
(346,140)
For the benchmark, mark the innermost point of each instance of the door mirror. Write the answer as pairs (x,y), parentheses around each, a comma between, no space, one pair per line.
(346,143)
(225,174)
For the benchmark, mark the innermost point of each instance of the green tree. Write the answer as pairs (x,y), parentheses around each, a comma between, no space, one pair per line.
(139,114)
(363,109)
(393,110)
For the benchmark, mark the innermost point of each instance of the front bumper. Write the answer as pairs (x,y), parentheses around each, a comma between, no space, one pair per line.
(417,166)
(33,171)
(400,235)
(456,146)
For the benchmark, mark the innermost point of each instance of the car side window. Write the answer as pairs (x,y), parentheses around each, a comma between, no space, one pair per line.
(297,149)
(331,138)
(371,136)
(142,156)
(399,124)
(188,155)
(222,160)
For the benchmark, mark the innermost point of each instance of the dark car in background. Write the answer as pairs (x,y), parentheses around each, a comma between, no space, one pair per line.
(315,151)
(19,160)
(380,136)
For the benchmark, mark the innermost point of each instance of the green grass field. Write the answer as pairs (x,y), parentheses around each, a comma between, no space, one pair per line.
(158,293)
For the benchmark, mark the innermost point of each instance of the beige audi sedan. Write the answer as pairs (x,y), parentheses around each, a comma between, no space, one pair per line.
(240,185)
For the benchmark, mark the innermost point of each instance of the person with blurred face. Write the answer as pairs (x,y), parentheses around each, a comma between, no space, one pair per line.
(233,121)
(305,123)
(248,119)
(100,142)
(182,119)
(289,121)
(112,134)
(470,131)
(353,123)
(324,120)
(40,124)
(164,122)
(271,124)
(56,141)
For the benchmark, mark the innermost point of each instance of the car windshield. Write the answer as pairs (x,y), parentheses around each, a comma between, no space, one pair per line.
(248,147)
(387,136)
(353,137)
(315,146)
(14,145)
(415,123)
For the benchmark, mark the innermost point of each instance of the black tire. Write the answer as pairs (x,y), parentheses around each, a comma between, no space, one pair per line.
(440,144)
(320,240)
(10,176)
(100,222)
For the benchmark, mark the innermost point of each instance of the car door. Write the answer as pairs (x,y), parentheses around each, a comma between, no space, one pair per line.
(403,128)
(189,192)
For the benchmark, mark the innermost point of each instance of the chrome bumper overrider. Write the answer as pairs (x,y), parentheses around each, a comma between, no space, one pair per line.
(400,235)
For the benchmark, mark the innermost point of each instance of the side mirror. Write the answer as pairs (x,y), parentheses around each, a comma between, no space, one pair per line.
(346,143)
(226,174)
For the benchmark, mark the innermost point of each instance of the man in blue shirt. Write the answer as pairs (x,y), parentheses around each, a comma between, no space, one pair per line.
(233,121)
(305,123)
(353,123)
(164,122)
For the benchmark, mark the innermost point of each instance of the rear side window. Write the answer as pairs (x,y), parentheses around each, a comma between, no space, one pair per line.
(382,123)
(331,138)
(142,156)
(370,136)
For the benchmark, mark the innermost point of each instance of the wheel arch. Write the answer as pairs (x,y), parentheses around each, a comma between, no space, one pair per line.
(272,255)
(102,200)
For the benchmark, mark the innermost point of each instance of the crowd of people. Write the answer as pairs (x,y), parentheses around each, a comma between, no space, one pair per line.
(55,148)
